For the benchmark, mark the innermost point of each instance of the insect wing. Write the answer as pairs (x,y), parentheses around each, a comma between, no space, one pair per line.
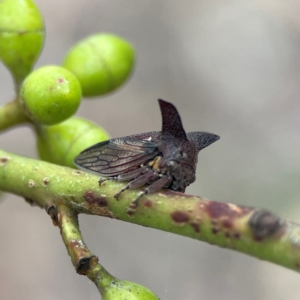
(116,156)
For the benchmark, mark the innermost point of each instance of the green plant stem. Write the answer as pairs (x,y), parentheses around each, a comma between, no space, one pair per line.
(11,114)
(252,231)
(83,260)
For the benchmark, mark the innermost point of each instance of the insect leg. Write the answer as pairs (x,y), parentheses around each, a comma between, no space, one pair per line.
(101,180)
(126,176)
(164,181)
(139,181)
(131,175)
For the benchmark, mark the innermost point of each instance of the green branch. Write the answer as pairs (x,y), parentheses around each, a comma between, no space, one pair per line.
(83,260)
(11,114)
(87,264)
(252,231)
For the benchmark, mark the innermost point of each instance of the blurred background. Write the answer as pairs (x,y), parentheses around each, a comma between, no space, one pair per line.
(231,68)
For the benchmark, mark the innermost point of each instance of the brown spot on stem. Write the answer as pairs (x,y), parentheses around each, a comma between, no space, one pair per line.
(102,202)
(31,183)
(236,235)
(4,160)
(227,223)
(148,203)
(227,234)
(215,230)
(90,198)
(97,204)
(180,217)
(52,212)
(195,226)
(130,211)
(219,209)
(264,224)
(132,208)
(84,265)
(46,180)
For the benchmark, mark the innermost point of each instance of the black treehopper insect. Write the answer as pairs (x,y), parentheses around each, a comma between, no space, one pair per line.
(162,159)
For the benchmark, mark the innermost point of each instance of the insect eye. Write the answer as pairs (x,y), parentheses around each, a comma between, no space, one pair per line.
(171,163)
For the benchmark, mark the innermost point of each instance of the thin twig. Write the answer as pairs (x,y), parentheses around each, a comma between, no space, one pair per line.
(83,260)
(11,114)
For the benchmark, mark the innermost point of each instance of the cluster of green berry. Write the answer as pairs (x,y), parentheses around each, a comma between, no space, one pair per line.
(50,96)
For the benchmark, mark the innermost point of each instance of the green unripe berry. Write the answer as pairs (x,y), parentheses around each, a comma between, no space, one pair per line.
(102,63)
(61,143)
(112,288)
(120,290)
(50,95)
(21,36)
